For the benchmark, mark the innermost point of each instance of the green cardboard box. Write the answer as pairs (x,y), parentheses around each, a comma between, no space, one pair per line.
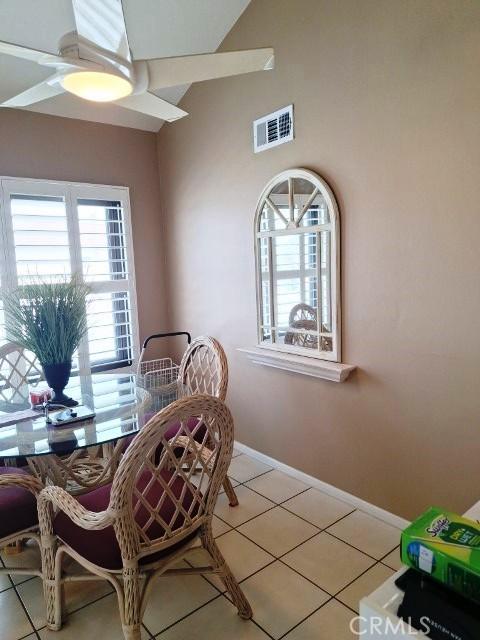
(446,547)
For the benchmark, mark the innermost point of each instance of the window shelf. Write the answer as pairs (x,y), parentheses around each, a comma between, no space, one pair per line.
(305,365)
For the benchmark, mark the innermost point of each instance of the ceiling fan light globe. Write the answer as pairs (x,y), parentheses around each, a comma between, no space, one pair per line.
(97,86)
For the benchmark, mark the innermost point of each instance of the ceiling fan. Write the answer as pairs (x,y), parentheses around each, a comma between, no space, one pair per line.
(95,63)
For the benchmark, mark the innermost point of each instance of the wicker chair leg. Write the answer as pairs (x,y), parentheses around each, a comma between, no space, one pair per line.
(230,491)
(51,573)
(52,588)
(131,618)
(227,577)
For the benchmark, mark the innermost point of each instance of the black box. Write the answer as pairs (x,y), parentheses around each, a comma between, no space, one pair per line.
(428,605)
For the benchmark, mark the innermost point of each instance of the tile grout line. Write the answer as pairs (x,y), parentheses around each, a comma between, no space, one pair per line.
(263,473)
(346,605)
(147,630)
(354,580)
(353,547)
(282,504)
(35,632)
(169,626)
(324,529)
(29,635)
(18,584)
(83,606)
(307,617)
(320,530)
(269,635)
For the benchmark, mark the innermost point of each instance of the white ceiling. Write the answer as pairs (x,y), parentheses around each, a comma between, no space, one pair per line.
(156,28)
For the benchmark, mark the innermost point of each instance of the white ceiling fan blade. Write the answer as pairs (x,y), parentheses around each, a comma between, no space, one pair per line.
(102,22)
(37,93)
(34,55)
(169,72)
(152,105)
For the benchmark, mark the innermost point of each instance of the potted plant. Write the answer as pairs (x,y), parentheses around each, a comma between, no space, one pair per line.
(50,319)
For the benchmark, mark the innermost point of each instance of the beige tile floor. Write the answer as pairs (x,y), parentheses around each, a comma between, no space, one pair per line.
(303,558)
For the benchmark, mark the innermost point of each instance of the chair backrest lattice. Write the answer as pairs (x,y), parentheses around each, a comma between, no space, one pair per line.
(18,367)
(300,312)
(157,498)
(303,329)
(204,368)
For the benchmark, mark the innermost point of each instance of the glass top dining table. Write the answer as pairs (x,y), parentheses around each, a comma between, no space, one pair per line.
(120,405)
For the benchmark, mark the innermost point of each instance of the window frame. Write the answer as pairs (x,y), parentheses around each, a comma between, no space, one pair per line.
(71,192)
(334,265)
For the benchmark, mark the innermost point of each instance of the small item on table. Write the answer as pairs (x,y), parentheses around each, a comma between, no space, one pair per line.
(64,418)
(39,396)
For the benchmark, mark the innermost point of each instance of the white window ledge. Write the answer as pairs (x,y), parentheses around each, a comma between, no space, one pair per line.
(305,365)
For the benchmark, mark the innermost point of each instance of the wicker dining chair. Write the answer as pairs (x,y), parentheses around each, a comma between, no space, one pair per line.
(18,367)
(18,513)
(204,369)
(147,520)
(302,311)
(302,318)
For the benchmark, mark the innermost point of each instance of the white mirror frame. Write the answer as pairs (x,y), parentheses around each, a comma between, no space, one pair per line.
(334,227)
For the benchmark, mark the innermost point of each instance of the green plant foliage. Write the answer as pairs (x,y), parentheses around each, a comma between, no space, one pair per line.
(48,318)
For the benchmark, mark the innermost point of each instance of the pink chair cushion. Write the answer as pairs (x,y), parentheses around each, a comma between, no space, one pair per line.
(101,547)
(18,507)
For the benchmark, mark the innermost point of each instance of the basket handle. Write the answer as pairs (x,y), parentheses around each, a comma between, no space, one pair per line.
(167,335)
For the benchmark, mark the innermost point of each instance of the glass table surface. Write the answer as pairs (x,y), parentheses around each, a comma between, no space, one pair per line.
(120,407)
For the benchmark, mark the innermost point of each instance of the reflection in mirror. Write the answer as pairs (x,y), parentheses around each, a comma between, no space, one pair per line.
(273,217)
(280,187)
(326,303)
(265,320)
(315,212)
(296,264)
(294,260)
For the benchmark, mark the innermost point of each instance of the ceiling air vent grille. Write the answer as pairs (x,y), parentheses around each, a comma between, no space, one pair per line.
(274,129)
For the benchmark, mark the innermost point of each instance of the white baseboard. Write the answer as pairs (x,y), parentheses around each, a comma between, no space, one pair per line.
(358,503)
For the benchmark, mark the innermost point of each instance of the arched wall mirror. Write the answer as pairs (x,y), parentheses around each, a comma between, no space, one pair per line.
(297,249)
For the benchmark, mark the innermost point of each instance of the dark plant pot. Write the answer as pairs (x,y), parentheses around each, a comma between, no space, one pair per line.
(57,377)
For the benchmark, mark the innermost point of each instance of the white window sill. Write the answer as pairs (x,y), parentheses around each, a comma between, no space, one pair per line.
(305,365)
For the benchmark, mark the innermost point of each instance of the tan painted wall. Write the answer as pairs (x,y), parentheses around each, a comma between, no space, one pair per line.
(386,96)
(39,146)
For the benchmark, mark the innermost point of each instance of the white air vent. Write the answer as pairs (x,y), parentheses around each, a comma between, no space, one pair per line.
(274,129)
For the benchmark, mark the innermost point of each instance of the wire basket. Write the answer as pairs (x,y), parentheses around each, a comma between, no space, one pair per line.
(160,376)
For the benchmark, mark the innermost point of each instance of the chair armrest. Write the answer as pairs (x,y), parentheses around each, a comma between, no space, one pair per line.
(22,481)
(77,513)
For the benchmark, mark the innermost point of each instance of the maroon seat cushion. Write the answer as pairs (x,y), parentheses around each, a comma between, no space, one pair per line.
(171,432)
(101,547)
(18,507)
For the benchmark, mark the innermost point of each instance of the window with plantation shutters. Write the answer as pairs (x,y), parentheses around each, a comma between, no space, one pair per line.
(51,230)
(297,248)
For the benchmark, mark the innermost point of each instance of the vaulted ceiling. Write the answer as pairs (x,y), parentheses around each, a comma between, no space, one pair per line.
(156,28)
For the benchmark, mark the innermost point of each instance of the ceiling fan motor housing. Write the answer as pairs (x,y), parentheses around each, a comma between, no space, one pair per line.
(89,56)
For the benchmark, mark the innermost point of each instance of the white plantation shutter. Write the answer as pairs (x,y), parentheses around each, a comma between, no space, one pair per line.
(40,237)
(52,229)
(107,269)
